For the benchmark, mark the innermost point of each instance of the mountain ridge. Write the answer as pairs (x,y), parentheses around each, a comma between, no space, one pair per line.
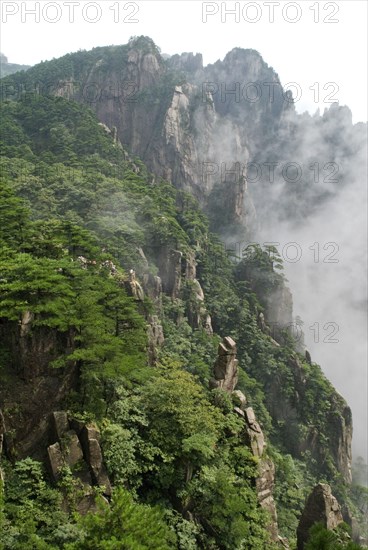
(157,244)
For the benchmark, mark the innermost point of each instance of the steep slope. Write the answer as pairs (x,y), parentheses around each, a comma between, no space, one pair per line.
(223,132)
(108,250)
(169,113)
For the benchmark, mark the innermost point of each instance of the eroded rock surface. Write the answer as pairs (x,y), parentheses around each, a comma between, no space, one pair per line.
(77,443)
(226,377)
(226,366)
(156,337)
(321,507)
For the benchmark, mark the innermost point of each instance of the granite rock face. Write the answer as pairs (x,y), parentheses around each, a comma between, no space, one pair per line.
(226,366)
(173,124)
(225,377)
(156,337)
(77,443)
(255,436)
(205,128)
(321,507)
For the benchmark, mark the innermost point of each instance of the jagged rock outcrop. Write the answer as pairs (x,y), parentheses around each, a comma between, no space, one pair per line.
(321,507)
(266,479)
(225,368)
(152,285)
(199,126)
(226,377)
(198,316)
(55,460)
(340,429)
(172,123)
(90,440)
(170,270)
(34,388)
(156,337)
(77,443)
(255,435)
(33,348)
(134,288)
(265,483)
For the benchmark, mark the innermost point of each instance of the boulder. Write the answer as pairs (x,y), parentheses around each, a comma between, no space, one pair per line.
(255,437)
(90,439)
(72,449)
(242,399)
(321,507)
(226,366)
(55,460)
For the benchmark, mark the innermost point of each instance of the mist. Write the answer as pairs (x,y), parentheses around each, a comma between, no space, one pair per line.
(323,243)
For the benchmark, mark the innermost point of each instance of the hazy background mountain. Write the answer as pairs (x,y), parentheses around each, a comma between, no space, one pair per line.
(7,68)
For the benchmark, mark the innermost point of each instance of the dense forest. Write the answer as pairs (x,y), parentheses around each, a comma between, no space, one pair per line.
(115,300)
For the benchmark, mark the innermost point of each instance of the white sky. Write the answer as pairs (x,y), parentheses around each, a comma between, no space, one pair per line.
(305,52)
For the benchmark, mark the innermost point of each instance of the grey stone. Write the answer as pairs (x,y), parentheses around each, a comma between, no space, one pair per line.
(254,433)
(72,449)
(55,460)
(243,400)
(226,366)
(59,425)
(321,507)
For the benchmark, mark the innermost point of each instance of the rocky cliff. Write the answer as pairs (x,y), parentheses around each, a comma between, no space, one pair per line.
(321,507)
(225,372)
(197,127)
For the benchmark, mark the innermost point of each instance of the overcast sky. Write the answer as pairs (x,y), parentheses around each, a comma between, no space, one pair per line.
(322,45)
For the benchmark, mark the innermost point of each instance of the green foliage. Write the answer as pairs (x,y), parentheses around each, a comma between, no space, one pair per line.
(324,539)
(72,202)
(31,507)
(228,509)
(259,268)
(292,486)
(182,422)
(73,296)
(125,525)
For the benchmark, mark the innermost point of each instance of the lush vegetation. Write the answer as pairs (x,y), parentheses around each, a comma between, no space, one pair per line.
(323,539)
(77,214)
